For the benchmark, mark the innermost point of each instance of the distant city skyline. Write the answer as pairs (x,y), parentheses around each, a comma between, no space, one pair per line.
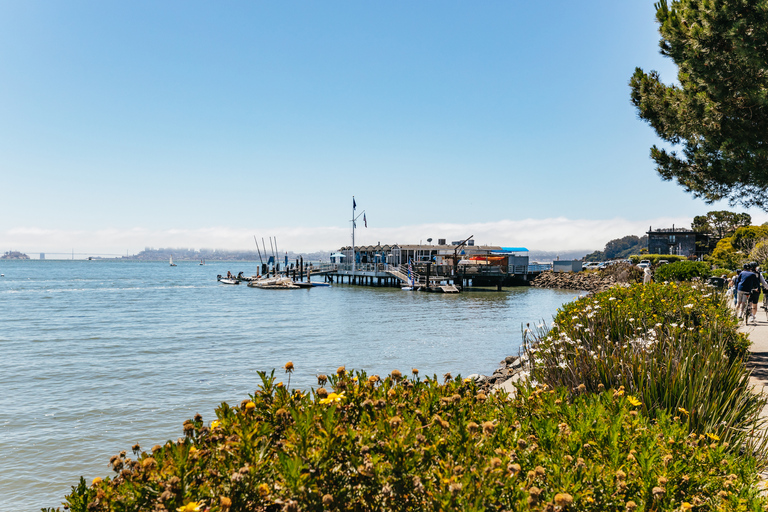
(125,125)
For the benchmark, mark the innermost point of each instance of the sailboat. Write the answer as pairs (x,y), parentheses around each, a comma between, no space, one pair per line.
(172,263)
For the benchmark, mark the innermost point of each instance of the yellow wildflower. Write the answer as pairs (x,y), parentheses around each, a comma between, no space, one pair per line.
(250,406)
(634,401)
(215,424)
(96,481)
(192,506)
(713,437)
(333,397)
(685,506)
(682,410)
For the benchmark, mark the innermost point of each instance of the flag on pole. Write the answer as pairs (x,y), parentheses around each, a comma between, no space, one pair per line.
(364,220)
(354,204)
(410,272)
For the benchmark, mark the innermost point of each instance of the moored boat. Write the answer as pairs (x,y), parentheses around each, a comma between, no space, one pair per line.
(274,283)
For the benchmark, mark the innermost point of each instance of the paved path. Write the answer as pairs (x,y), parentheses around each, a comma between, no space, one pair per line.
(758,359)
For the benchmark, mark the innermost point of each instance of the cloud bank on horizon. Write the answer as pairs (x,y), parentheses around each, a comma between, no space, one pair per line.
(553,234)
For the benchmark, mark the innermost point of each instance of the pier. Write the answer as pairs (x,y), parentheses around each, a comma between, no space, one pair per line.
(439,268)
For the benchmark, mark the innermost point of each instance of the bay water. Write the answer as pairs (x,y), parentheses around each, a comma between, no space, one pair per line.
(96,356)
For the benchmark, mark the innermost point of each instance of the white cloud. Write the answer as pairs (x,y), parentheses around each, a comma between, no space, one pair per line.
(555,234)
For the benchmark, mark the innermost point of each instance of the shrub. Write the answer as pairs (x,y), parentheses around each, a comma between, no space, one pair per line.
(412,444)
(676,347)
(682,271)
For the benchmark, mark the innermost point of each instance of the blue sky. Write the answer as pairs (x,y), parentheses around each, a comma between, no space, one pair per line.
(133,124)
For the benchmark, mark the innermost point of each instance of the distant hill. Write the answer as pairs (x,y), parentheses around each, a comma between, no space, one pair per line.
(183,254)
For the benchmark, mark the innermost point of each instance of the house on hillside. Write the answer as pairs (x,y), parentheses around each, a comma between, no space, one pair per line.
(680,241)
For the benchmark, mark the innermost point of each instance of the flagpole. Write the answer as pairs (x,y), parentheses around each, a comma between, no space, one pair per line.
(353,234)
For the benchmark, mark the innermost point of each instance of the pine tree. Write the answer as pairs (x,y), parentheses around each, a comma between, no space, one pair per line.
(716,118)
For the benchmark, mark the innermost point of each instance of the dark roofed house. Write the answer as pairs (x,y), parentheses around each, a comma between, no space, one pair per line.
(680,241)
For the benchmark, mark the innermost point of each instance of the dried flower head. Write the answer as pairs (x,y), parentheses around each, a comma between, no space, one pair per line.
(563,499)
(321,392)
(225,502)
(488,427)
(396,374)
(321,380)
(472,427)
(415,371)
(327,500)
(289,367)
(341,370)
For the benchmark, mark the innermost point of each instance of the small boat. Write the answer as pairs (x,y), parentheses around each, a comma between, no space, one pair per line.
(314,284)
(172,263)
(274,283)
(202,262)
(225,280)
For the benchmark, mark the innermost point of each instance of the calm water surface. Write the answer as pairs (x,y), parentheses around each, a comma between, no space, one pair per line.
(98,355)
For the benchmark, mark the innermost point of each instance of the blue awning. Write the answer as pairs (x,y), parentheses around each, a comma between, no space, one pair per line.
(513,249)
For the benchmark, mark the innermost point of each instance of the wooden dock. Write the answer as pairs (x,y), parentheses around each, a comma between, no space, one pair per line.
(429,277)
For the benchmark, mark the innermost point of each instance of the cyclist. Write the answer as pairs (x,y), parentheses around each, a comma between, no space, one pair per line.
(754,297)
(748,281)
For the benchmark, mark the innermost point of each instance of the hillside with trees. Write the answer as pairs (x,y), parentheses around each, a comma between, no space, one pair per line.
(619,248)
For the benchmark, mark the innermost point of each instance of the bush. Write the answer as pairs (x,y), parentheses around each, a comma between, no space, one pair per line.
(682,271)
(676,347)
(412,444)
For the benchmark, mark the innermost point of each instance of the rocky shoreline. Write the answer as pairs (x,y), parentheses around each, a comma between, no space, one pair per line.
(597,281)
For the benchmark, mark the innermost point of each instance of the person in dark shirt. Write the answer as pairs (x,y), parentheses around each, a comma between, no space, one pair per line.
(749,282)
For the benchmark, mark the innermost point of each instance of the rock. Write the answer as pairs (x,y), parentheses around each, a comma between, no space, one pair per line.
(510,359)
(586,281)
(478,378)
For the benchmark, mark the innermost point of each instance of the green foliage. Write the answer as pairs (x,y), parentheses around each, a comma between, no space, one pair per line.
(745,239)
(682,271)
(676,347)
(655,258)
(619,248)
(760,253)
(725,255)
(413,444)
(720,224)
(718,114)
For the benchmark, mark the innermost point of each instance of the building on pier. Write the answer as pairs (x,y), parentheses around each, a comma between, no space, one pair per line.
(462,264)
